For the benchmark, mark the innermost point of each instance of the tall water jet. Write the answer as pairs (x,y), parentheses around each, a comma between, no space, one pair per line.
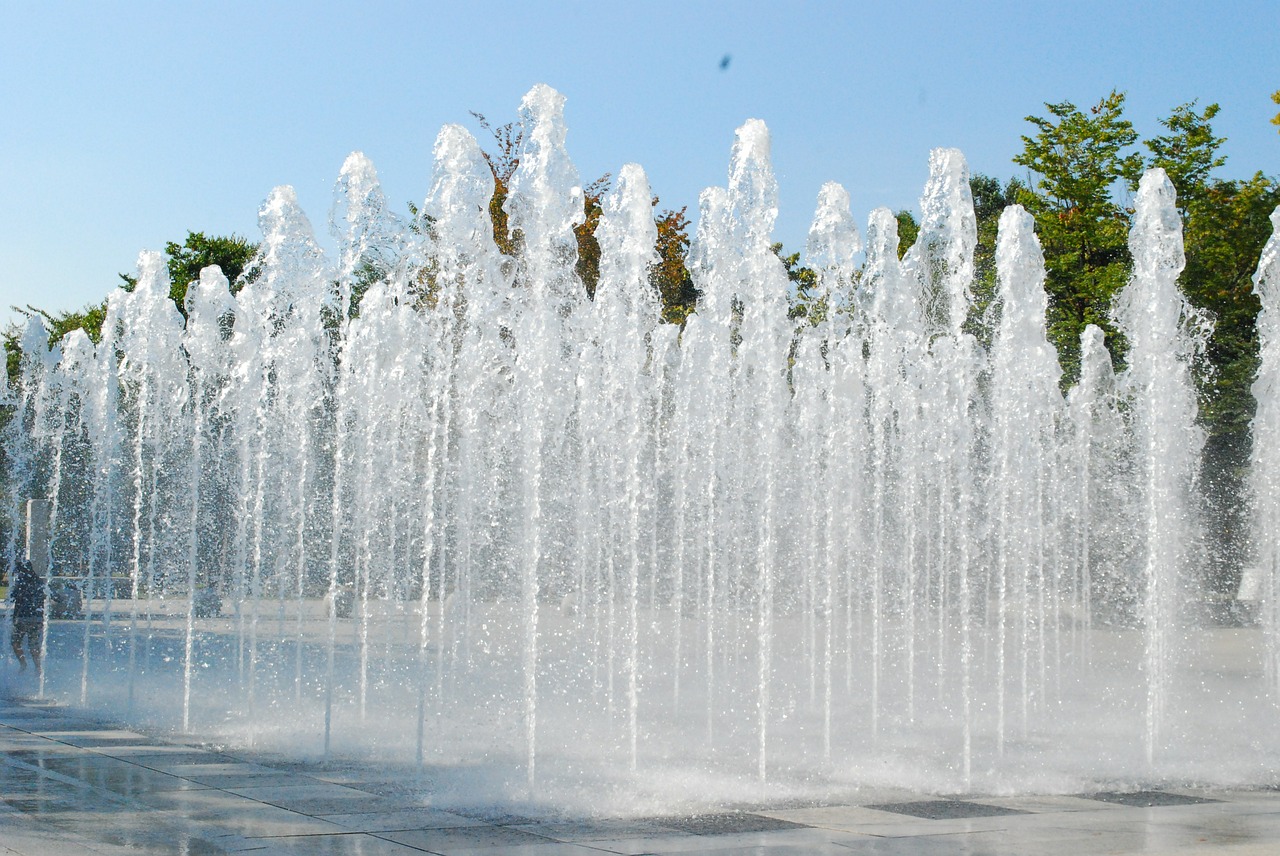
(892,327)
(1100,448)
(828,391)
(626,309)
(1165,334)
(62,428)
(28,426)
(278,337)
(1026,408)
(1264,478)
(941,262)
(462,235)
(704,356)
(544,204)
(153,383)
(759,383)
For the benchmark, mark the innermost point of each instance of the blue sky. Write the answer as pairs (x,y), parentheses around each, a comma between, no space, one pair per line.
(123,126)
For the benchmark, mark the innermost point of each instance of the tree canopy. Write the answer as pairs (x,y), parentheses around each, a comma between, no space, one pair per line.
(1080,159)
(185,261)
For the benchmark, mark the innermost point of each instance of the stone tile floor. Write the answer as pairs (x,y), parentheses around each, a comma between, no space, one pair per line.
(71,786)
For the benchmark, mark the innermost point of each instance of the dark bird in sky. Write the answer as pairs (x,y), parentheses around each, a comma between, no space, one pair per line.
(724,62)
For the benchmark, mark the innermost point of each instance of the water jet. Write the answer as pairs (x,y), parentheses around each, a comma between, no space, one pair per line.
(610,559)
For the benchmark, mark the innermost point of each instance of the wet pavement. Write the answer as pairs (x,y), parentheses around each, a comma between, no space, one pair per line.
(71,785)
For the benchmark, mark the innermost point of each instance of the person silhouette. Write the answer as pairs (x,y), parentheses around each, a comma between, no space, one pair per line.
(27,593)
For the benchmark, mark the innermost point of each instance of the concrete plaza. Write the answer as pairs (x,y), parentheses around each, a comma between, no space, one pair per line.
(70,785)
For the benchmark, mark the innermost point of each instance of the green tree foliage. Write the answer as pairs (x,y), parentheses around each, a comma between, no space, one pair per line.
(1225,225)
(1225,232)
(990,198)
(60,324)
(1188,152)
(1275,99)
(1079,157)
(908,231)
(185,261)
(805,302)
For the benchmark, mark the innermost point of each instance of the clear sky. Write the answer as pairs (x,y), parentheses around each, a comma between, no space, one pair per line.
(124,125)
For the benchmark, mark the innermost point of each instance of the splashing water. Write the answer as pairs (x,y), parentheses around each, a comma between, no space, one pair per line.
(424,500)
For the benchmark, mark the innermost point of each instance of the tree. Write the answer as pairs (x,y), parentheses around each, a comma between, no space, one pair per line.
(1224,235)
(503,161)
(588,265)
(990,198)
(185,261)
(1275,99)
(908,231)
(1225,225)
(1188,153)
(60,324)
(670,276)
(804,303)
(1080,157)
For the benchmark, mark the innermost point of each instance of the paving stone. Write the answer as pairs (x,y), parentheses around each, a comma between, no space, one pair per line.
(494,815)
(946,809)
(468,837)
(780,841)
(844,818)
(931,845)
(235,781)
(118,793)
(338,844)
(1147,799)
(866,847)
(164,753)
(401,819)
(725,824)
(107,742)
(598,829)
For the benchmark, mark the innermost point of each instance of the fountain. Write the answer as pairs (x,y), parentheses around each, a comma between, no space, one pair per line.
(428,504)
